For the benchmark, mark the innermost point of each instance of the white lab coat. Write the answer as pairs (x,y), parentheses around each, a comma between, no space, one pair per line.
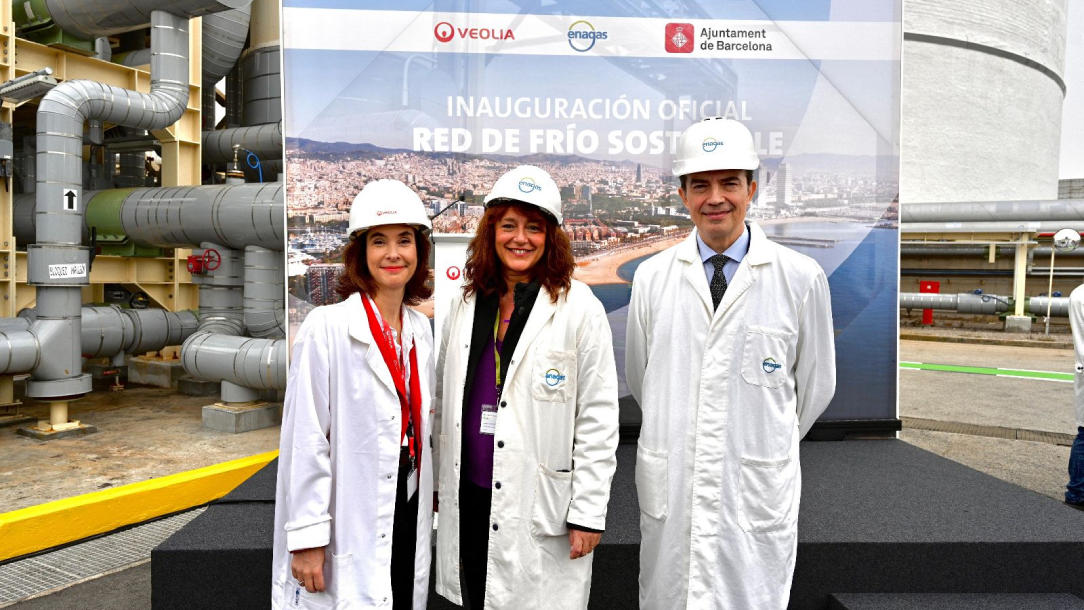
(547,430)
(1076,321)
(339,461)
(726,396)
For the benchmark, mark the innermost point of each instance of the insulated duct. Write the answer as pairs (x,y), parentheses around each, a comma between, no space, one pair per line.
(264,293)
(1069,210)
(253,363)
(232,215)
(92,18)
(990,304)
(264,140)
(216,351)
(261,87)
(111,330)
(58,262)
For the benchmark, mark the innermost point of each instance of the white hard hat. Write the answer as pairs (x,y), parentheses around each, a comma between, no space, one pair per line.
(387,202)
(528,184)
(714,144)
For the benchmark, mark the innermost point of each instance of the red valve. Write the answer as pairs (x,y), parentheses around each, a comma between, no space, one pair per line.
(211,259)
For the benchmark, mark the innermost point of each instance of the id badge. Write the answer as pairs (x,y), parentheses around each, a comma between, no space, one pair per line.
(412,483)
(489,420)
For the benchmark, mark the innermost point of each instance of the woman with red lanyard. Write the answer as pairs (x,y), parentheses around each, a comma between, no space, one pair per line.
(527,412)
(351,528)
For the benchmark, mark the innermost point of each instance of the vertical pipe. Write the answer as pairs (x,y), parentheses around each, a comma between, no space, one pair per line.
(1019,277)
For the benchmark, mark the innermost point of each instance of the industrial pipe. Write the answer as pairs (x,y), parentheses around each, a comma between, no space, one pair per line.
(970,303)
(264,140)
(264,293)
(253,363)
(58,262)
(92,18)
(1012,212)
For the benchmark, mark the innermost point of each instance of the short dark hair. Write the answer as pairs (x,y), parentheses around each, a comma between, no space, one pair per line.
(357,278)
(748,178)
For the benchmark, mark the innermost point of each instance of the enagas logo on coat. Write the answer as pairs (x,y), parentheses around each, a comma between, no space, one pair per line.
(770,365)
(528,185)
(554,377)
(453,273)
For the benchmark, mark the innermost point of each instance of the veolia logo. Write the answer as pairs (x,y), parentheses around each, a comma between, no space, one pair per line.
(710,144)
(453,272)
(528,185)
(582,36)
(444,31)
(770,365)
(554,377)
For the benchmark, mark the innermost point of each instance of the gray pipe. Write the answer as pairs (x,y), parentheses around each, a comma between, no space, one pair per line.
(232,215)
(1063,210)
(139,57)
(58,263)
(261,87)
(19,350)
(133,170)
(221,302)
(264,140)
(966,302)
(1008,226)
(264,293)
(111,330)
(253,363)
(948,249)
(92,18)
(224,35)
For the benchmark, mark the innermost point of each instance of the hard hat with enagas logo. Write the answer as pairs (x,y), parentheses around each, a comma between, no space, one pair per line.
(714,144)
(387,202)
(531,185)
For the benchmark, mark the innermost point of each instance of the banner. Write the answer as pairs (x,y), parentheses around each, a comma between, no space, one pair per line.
(447,100)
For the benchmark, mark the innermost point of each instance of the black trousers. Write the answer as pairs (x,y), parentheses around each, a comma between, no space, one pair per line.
(474,504)
(404,538)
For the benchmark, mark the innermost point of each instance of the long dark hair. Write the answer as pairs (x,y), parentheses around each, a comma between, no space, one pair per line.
(356,277)
(483,271)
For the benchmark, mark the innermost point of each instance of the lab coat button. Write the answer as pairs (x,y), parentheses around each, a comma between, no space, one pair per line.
(495,527)
(497,485)
(504,403)
(500,444)
(389,475)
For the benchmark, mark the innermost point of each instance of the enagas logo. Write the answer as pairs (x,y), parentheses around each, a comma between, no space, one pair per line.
(680,38)
(453,273)
(445,32)
(710,144)
(528,185)
(582,35)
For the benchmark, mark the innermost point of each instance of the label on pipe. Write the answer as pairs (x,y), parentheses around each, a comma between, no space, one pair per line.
(70,200)
(68,270)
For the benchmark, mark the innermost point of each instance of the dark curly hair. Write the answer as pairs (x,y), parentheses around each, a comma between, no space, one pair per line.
(483,272)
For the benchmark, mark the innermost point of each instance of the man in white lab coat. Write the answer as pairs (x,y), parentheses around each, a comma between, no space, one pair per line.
(730,353)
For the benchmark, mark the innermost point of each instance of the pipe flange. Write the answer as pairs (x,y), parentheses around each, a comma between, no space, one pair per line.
(72,387)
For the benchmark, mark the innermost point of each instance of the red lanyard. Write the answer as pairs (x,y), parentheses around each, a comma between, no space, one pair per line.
(413,411)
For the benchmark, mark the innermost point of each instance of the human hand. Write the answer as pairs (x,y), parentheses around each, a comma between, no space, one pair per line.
(582,543)
(307,566)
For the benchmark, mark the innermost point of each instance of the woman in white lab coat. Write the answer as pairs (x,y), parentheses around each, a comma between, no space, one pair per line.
(353,509)
(527,412)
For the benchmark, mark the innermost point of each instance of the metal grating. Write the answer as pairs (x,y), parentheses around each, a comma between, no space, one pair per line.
(48,572)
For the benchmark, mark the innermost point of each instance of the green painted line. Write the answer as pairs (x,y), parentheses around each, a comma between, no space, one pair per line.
(983,370)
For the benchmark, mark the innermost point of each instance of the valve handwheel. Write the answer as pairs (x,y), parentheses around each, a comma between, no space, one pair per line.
(211,259)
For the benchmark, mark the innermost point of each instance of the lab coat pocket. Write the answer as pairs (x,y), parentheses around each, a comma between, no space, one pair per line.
(552,497)
(297,597)
(343,583)
(765,360)
(554,376)
(652,482)
(767,490)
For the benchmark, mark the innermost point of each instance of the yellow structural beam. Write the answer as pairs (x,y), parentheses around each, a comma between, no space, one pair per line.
(44,526)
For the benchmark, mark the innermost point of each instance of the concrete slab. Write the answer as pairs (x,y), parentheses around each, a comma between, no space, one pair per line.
(241,418)
(154,372)
(49,435)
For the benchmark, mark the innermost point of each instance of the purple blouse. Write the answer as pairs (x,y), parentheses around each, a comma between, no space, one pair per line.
(478,447)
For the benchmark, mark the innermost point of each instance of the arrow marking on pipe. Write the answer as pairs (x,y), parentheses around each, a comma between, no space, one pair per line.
(984,370)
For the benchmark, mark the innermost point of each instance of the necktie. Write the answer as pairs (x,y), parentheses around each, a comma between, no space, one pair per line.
(718,280)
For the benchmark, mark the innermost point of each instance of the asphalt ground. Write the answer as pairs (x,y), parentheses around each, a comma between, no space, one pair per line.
(980,405)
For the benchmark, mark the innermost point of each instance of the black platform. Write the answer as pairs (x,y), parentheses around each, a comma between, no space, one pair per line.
(876,517)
